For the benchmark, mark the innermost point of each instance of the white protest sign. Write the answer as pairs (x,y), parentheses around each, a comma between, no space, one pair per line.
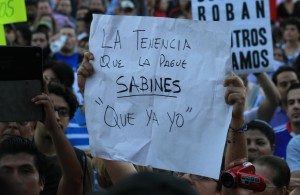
(252,49)
(157,96)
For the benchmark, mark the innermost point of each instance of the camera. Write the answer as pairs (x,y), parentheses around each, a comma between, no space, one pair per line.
(243,176)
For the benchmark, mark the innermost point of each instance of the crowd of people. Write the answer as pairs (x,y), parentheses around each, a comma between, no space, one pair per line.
(52,157)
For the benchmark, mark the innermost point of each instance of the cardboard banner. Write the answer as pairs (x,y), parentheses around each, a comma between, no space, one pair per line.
(12,11)
(157,96)
(252,49)
(2,35)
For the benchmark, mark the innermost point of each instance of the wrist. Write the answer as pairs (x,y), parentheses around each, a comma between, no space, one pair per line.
(241,129)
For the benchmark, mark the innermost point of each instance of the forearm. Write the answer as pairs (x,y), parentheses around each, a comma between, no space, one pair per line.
(269,105)
(70,166)
(119,170)
(236,147)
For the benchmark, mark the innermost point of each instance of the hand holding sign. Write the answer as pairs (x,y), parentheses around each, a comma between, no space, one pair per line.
(85,70)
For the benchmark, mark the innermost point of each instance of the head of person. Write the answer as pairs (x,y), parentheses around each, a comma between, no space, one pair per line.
(89,17)
(283,77)
(65,104)
(23,35)
(278,54)
(201,184)
(44,8)
(64,7)
(10,34)
(71,42)
(60,72)
(291,30)
(46,27)
(81,12)
(276,172)
(81,26)
(21,167)
(18,128)
(161,5)
(277,35)
(40,38)
(293,103)
(96,4)
(260,139)
(127,7)
(31,9)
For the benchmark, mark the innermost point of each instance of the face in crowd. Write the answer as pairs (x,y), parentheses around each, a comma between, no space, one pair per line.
(19,128)
(39,39)
(284,81)
(21,169)
(71,41)
(260,139)
(276,173)
(62,111)
(293,106)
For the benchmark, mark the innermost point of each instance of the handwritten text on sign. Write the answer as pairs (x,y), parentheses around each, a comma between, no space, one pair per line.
(157,93)
(12,11)
(251,36)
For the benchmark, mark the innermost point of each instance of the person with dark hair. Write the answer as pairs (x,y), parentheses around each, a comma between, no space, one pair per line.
(68,53)
(287,9)
(283,77)
(65,105)
(284,134)
(25,174)
(40,38)
(260,139)
(58,72)
(291,36)
(19,155)
(31,10)
(23,36)
(276,172)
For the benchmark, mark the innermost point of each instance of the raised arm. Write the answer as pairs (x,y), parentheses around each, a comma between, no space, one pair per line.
(235,95)
(72,176)
(236,148)
(268,106)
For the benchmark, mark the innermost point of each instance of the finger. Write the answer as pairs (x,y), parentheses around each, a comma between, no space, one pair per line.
(42,96)
(234,81)
(81,83)
(88,56)
(88,67)
(82,72)
(236,162)
(46,91)
(234,91)
(235,98)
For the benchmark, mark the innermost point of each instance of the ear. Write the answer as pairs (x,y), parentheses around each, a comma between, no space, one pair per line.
(273,148)
(42,184)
